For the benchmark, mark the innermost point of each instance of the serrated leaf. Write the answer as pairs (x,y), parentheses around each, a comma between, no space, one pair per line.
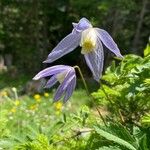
(114,138)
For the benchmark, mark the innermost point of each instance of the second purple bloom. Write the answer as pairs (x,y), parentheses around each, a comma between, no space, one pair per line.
(63,74)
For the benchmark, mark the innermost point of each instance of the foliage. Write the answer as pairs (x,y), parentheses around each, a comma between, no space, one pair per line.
(34,122)
(125,88)
(4,132)
(147,50)
(118,137)
(40,143)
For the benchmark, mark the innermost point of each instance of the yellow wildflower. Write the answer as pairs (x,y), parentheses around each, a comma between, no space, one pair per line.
(13,110)
(37,97)
(58,105)
(46,94)
(4,94)
(33,107)
(17,102)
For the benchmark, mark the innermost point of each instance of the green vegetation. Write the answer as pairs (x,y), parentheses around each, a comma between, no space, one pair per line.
(119,117)
(35,123)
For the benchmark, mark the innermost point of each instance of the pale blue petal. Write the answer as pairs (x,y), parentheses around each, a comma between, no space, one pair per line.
(74,24)
(62,87)
(50,71)
(82,25)
(70,89)
(95,61)
(71,74)
(108,42)
(52,81)
(68,44)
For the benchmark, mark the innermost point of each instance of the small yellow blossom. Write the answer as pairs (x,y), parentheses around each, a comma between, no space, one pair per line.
(17,102)
(58,106)
(4,94)
(37,97)
(46,94)
(33,107)
(13,110)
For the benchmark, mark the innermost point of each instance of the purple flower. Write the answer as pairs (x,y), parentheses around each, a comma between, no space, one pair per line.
(65,75)
(90,39)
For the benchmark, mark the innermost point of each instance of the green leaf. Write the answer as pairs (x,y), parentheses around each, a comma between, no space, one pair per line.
(114,138)
(147,50)
(145,120)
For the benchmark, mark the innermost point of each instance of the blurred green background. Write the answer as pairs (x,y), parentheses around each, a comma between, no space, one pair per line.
(30,29)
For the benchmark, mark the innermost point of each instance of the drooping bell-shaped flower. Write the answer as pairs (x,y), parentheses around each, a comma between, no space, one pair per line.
(90,39)
(63,74)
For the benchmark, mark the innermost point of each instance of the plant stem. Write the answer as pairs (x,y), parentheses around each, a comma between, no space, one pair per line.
(88,93)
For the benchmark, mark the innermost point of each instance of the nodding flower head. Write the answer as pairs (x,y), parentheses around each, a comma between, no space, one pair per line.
(65,75)
(90,39)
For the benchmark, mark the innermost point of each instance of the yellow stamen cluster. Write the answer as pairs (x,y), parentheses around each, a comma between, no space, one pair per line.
(88,40)
(87,46)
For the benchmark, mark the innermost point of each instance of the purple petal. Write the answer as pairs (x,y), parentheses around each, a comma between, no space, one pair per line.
(62,87)
(74,24)
(70,89)
(52,81)
(50,71)
(108,42)
(71,74)
(68,44)
(95,60)
(82,25)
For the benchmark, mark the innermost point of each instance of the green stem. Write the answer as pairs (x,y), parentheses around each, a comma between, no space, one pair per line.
(88,93)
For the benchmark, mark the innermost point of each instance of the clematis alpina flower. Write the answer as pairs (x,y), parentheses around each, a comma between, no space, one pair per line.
(90,39)
(65,75)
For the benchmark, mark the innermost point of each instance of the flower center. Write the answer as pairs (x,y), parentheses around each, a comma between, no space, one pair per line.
(88,40)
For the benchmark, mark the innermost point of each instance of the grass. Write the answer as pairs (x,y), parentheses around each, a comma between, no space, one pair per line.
(27,116)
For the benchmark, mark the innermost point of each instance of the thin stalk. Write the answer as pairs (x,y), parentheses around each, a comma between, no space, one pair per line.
(88,93)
